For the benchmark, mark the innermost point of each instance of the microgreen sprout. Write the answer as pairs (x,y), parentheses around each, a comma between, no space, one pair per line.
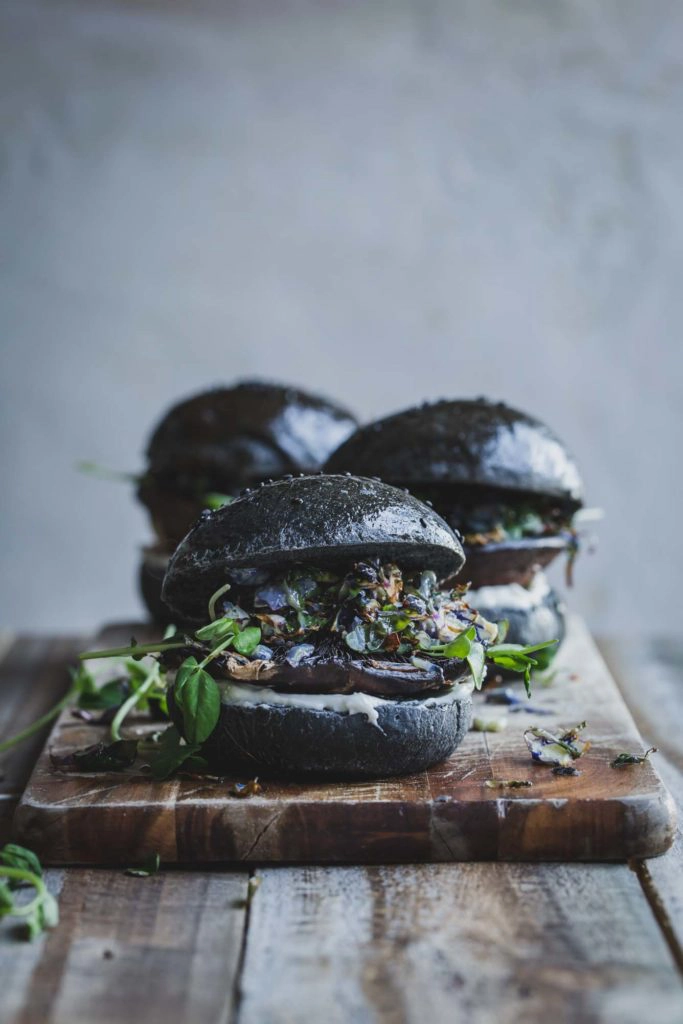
(622,760)
(215,597)
(103,473)
(79,680)
(20,867)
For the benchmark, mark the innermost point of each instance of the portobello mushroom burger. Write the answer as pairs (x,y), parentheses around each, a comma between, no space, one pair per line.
(324,625)
(210,446)
(502,480)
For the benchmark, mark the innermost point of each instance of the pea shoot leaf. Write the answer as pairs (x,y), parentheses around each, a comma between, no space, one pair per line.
(476,659)
(461,646)
(13,856)
(20,867)
(248,640)
(111,695)
(219,629)
(6,900)
(199,700)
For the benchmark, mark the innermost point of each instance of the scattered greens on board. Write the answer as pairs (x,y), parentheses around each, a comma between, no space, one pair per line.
(20,869)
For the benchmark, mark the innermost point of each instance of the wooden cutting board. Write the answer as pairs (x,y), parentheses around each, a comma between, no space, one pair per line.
(444,814)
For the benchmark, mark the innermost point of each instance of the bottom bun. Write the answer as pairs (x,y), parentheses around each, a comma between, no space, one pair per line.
(534,614)
(295,742)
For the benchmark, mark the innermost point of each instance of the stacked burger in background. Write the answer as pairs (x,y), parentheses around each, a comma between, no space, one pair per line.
(500,478)
(503,481)
(208,448)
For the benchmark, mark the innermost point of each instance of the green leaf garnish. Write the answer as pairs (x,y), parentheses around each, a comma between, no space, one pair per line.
(111,695)
(77,683)
(151,678)
(461,646)
(199,699)
(103,473)
(622,760)
(476,659)
(21,867)
(14,856)
(215,597)
(133,650)
(517,658)
(215,500)
(248,640)
(219,629)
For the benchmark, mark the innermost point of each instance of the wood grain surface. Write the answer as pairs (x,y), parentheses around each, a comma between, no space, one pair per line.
(650,673)
(472,942)
(385,944)
(33,677)
(445,814)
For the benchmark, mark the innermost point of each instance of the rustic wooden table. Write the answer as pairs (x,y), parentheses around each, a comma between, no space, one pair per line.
(475,942)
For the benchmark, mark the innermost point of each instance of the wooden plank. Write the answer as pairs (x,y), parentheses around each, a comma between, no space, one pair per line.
(443,943)
(19,958)
(33,677)
(170,943)
(160,949)
(650,674)
(444,814)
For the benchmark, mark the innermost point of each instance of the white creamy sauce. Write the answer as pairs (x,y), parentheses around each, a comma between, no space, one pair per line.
(344,703)
(510,595)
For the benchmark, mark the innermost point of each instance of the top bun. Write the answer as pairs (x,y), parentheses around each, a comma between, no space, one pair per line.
(223,440)
(323,521)
(242,434)
(466,442)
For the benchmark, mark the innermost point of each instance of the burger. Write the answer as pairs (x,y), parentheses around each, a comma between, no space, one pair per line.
(324,611)
(209,447)
(502,480)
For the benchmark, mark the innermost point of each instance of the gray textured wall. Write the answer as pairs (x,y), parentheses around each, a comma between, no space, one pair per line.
(386,201)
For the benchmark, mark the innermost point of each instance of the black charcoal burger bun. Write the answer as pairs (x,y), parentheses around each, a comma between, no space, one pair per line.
(292,742)
(466,456)
(466,442)
(222,440)
(325,521)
